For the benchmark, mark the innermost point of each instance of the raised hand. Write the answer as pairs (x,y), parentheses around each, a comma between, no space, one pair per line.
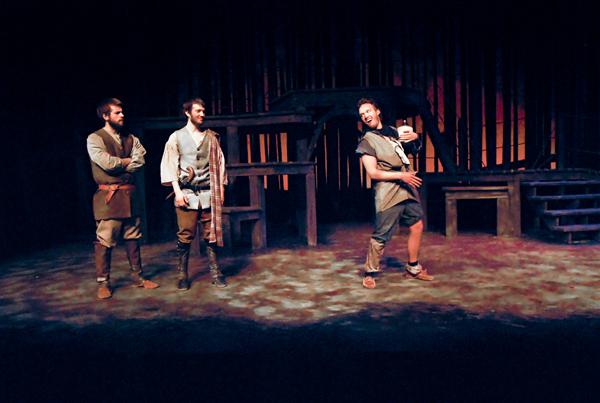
(410,136)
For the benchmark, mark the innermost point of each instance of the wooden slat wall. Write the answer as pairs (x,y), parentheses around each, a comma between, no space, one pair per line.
(500,93)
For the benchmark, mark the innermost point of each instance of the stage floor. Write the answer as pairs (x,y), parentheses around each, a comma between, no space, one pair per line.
(524,303)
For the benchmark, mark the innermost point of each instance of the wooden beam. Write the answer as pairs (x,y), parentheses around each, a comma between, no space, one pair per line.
(242,120)
(450,93)
(233,145)
(489,78)
(269,168)
(514,198)
(311,208)
(436,138)
(233,156)
(506,106)
(475,106)
(257,199)
(318,130)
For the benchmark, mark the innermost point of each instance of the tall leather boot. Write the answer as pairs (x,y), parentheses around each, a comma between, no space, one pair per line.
(183,253)
(102,256)
(132,247)
(218,280)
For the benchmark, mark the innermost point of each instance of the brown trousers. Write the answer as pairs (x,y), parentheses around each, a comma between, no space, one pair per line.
(108,232)
(187,221)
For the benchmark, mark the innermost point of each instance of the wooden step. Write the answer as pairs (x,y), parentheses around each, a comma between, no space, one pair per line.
(589,196)
(572,212)
(575,228)
(581,182)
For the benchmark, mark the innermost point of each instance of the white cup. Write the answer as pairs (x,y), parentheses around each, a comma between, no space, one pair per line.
(405,129)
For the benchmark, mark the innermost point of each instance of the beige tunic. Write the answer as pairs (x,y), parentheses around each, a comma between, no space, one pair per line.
(388,193)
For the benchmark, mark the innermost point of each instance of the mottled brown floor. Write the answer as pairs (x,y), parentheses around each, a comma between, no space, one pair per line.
(480,274)
(492,297)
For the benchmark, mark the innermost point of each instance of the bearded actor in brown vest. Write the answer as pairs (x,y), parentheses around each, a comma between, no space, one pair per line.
(115,156)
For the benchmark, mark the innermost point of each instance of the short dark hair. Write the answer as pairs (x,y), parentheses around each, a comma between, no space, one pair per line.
(187,105)
(104,106)
(363,101)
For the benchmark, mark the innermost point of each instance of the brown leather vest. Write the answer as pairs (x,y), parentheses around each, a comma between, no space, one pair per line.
(124,203)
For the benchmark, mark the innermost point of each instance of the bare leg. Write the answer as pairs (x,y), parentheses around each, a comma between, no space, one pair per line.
(414,243)
(414,240)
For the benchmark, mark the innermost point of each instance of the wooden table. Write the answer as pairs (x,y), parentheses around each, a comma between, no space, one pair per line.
(504,217)
(307,214)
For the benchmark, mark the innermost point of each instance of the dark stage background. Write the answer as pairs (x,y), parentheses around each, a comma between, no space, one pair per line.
(60,58)
(521,77)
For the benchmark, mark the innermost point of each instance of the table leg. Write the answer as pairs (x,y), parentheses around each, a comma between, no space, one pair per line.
(311,209)
(451,220)
(257,198)
(502,217)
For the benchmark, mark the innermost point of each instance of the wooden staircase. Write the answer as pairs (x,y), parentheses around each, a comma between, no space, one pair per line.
(568,209)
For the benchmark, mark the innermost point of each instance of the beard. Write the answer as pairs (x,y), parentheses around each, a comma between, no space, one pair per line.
(197,122)
(116,126)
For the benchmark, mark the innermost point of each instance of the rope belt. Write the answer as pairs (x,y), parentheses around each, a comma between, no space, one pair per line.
(113,188)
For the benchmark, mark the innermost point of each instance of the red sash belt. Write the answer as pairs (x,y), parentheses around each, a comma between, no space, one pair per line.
(113,188)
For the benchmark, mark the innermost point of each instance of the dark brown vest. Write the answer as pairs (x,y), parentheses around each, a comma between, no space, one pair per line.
(124,203)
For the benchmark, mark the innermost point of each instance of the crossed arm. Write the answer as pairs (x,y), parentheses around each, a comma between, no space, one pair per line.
(98,154)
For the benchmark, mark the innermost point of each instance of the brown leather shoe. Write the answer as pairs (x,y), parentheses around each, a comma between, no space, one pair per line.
(103,291)
(418,272)
(141,282)
(148,284)
(369,282)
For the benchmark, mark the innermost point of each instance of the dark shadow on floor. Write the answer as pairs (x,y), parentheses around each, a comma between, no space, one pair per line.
(506,320)
(436,357)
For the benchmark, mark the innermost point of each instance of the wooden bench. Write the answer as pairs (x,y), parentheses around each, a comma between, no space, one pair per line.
(504,216)
(232,218)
